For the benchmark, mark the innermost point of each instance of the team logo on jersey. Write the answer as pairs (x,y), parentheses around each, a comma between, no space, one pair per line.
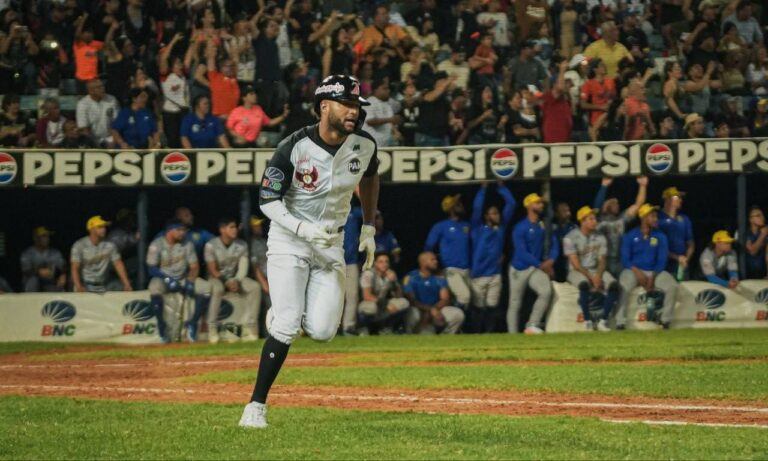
(273,179)
(175,168)
(354,166)
(654,241)
(659,158)
(504,163)
(8,168)
(356,147)
(307,178)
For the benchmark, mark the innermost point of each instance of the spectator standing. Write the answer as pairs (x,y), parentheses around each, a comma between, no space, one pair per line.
(458,118)
(597,93)
(484,122)
(530,267)
(567,29)
(556,110)
(383,304)
(338,58)
(50,128)
(739,13)
(526,70)
(173,81)
(410,113)
(451,238)
(428,296)
(457,66)
(487,236)
(679,232)
(757,72)
(18,50)
(432,125)
(522,119)
(136,127)
(608,49)
(222,80)
(644,254)
(530,14)
(755,243)
(91,256)
(383,34)
(719,263)
(632,36)
(86,51)
(699,86)
(16,130)
(42,267)
(385,240)
(96,112)
(759,120)
(200,129)
(120,65)
(483,62)
(639,124)
(245,122)
(381,122)
(586,250)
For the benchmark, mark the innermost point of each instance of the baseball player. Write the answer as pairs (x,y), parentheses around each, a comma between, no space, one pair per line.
(258,252)
(488,231)
(612,222)
(586,250)
(195,235)
(428,295)
(226,258)
(43,267)
(352,269)
(383,303)
(306,192)
(174,268)
(451,238)
(677,227)
(90,257)
(644,256)
(530,267)
(719,263)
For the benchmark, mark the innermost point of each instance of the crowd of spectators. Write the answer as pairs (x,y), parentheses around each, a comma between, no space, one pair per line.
(234,73)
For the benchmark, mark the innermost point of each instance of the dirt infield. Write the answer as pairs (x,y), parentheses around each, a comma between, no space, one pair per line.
(161,379)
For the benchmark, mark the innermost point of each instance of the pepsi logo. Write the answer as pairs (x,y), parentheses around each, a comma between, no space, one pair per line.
(226,310)
(59,311)
(504,163)
(710,299)
(659,158)
(175,168)
(139,310)
(8,168)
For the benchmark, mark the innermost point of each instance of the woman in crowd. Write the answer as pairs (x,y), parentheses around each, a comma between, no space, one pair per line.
(200,129)
(245,122)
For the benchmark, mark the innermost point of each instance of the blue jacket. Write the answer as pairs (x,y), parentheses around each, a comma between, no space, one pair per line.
(648,254)
(202,134)
(453,239)
(425,290)
(678,231)
(352,236)
(528,239)
(135,126)
(487,241)
(386,242)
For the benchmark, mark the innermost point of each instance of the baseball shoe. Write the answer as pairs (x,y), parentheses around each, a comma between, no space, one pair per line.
(165,340)
(254,416)
(665,325)
(589,325)
(213,335)
(191,330)
(533,330)
(602,325)
(250,334)
(621,327)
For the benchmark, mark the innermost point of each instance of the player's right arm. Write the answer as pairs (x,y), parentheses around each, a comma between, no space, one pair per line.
(210,261)
(74,260)
(153,261)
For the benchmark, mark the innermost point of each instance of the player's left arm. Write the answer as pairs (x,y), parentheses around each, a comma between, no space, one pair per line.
(369,199)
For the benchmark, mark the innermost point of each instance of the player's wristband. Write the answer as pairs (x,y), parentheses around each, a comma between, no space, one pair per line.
(368,224)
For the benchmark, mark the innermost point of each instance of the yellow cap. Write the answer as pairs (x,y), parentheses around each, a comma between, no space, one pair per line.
(646,209)
(256,221)
(670,192)
(449,201)
(584,212)
(41,230)
(722,236)
(530,199)
(691,118)
(96,221)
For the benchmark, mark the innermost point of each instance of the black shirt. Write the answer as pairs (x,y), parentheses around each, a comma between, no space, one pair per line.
(433,118)
(267,59)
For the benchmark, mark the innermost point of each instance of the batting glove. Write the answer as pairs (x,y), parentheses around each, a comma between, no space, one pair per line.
(172,284)
(367,244)
(315,235)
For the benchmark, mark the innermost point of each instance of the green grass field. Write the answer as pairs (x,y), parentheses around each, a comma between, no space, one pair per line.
(709,365)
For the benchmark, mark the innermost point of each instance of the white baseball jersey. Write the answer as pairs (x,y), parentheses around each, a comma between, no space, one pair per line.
(314,180)
(227,258)
(94,259)
(174,260)
(589,248)
(720,266)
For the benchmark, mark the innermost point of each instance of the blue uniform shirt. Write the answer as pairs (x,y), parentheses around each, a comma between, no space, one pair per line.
(424,289)
(679,232)
(352,236)
(202,133)
(487,241)
(528,239)
(135,126)
(648,254)
(453,240)
(386,243)
(755,263)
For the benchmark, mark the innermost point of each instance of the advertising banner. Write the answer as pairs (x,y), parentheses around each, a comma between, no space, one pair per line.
(456,164)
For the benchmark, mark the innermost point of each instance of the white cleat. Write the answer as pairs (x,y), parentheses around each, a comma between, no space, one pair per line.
(533,330)
(602,325)
(213,336)
(254,416)
(250,334)
(588,325)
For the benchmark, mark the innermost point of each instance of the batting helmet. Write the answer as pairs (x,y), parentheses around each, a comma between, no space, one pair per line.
(341,88)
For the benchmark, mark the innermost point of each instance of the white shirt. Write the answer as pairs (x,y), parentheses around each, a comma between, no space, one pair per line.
(500,29)
(461,71)
(176,93)
(379,109)
(98,116)
(284,45)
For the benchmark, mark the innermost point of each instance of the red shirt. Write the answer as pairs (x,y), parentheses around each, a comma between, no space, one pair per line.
(483,51)
(556,118)
(87,59)
(598,93)
(635,108)
(247,123)
(224,93)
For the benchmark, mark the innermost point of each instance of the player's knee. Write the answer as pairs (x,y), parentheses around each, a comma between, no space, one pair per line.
(156,287)
(323,334)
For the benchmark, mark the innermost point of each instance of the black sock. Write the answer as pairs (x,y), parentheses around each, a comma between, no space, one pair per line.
(272,357)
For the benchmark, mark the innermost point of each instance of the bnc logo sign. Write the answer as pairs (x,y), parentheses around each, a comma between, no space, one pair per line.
(659,158)
(712,300)
(59,312)
(653,314)
(225,312)
(141,312)
(175,168)
(504,163)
